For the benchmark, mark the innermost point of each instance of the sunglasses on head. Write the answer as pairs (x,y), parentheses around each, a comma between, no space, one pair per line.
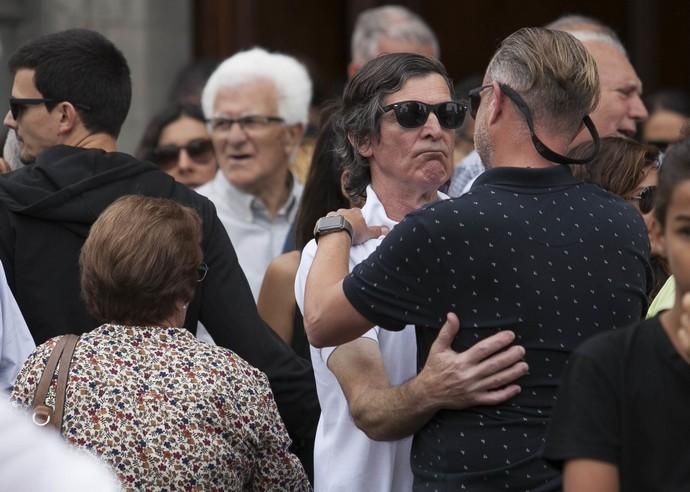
(645,199)
(17,104)
(200,150)
(202,271)
(413,114)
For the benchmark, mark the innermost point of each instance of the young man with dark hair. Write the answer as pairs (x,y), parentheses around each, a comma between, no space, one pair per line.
(70,96)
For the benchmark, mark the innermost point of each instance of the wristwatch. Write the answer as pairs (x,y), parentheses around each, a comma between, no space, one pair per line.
(332,223)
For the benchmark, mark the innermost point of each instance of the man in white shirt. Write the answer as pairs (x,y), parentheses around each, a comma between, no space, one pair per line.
(256,104)
(372,399)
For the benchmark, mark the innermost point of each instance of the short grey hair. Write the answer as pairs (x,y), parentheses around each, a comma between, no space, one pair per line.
(588,29)
(289,76)
(392,22)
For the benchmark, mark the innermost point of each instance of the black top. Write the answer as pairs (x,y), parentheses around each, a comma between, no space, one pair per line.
(624,400)
(46,210)
(532,250)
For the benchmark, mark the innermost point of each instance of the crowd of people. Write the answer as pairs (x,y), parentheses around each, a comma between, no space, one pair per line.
(440,287)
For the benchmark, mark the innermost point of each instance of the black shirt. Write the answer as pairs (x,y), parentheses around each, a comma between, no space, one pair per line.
(624,400)
(532,250)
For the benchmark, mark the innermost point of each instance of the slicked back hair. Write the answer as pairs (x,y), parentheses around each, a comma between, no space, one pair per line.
(553,72)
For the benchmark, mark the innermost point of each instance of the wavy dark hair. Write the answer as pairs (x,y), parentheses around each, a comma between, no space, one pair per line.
(359,118)
(618,167)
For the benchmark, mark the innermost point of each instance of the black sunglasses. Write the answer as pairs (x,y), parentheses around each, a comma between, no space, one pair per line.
(202,271)
(475,99)
(17,104)
(413,114)
(200,150)
(645,199)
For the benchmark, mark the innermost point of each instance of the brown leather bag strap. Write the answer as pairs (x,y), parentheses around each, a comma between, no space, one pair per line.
(63,376)
(43,414)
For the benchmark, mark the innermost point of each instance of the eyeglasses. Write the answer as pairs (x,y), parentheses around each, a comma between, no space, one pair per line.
(413,114)
(475,98)
(200,150)
(202,271)
(18,104)
(540,147)
(645,199)
(250,123)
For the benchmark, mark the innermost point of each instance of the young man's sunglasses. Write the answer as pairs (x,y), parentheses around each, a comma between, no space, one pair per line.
(475,99)
(17,104)
(645,199)
(413,114)
(200,150)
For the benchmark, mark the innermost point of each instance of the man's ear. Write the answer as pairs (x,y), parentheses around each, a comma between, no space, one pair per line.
(292,138)
(363,147)
(658,241)
(496,103)
(68,116)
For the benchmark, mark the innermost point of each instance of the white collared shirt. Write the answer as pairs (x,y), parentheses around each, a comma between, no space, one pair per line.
(257,238)
(344,457)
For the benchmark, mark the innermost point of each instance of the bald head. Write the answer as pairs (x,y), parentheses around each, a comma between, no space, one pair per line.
(620,106)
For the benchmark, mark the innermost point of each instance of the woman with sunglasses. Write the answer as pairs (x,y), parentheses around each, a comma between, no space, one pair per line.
(620,422)
(628,169)
(166,411)
(177,140)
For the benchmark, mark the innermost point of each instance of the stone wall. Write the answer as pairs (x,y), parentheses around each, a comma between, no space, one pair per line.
(154,35)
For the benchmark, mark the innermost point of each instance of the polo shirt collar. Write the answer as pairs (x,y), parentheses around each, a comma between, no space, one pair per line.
(523,177)
(249,205)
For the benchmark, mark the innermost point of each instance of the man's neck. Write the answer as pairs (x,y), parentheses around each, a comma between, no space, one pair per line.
(398,201)
(520,152)
(101,141)
(275,193)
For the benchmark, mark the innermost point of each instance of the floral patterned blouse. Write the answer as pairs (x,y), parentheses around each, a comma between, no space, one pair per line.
(169,412)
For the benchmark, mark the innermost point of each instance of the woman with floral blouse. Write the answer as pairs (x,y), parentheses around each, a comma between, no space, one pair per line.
(163,409)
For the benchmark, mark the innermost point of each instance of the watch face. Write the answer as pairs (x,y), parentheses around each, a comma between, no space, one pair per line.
(330,223)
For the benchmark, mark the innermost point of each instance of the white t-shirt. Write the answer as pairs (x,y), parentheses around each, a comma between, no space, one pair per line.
(345,459)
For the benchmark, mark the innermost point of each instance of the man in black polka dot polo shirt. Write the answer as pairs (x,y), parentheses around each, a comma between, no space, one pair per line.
(529,248)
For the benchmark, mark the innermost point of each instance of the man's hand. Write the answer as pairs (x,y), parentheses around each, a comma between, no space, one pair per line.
(361,232)
(480,375)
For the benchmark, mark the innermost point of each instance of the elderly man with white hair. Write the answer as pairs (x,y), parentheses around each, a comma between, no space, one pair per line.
(256,104)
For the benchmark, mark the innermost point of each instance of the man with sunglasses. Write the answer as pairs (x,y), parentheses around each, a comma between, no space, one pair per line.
(71,93)
(256,104)
(530,248)
(620,107)
(400,113)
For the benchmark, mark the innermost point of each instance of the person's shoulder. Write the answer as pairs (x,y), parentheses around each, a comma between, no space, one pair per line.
(283,268)
(618,343)
(233,368)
